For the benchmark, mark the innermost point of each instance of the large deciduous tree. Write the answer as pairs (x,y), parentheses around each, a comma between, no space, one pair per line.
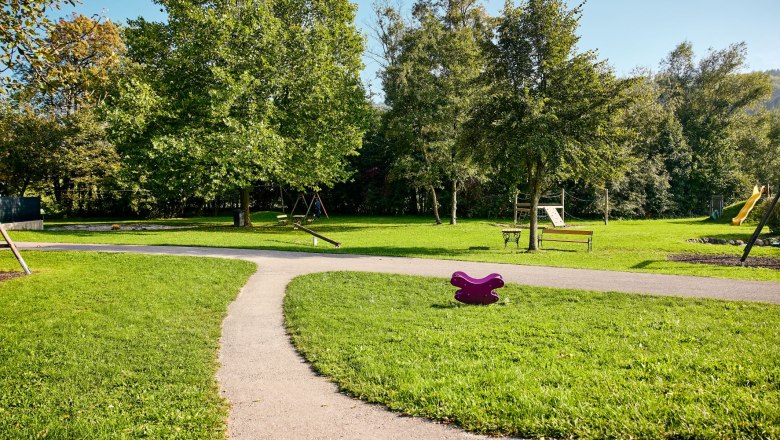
(429,84)
(710,102)
(551,111)
(60,101)
(231,93)
(23,28)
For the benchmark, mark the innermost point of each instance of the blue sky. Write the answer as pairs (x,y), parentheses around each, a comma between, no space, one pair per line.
(629,33)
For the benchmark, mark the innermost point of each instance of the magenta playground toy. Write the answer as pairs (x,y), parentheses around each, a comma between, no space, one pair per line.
(476,290)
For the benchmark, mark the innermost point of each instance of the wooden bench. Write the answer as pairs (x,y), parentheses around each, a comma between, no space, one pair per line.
(282,219)
(572,234)
(512,234)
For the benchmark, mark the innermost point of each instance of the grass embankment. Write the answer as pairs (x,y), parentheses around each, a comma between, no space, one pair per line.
(636,245)
(545,362)
(114,346)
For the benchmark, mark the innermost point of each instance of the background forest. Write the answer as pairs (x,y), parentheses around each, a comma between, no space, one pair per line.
(236,105)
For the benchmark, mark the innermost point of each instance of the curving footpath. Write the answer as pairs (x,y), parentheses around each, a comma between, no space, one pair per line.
(274,393)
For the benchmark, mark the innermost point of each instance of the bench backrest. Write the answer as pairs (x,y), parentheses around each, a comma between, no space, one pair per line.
(566,231)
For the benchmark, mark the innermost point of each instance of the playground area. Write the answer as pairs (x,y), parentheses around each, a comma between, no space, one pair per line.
(629,245)
(566,324)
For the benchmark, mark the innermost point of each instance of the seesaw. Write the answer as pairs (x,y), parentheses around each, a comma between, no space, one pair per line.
(304,229)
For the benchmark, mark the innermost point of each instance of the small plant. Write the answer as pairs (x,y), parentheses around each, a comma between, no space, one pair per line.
(774,219)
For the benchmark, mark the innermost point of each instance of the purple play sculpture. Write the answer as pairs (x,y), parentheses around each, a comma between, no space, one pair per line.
(476,290)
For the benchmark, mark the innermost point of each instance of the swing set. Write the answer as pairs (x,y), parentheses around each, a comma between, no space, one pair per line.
(316,203)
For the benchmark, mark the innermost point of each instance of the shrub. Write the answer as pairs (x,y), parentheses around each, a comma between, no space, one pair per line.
(774,219)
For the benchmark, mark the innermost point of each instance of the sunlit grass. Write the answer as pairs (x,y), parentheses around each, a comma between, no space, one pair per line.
(635,245)
(114,346)
(547,363)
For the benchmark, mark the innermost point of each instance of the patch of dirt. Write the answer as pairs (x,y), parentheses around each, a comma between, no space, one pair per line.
(727,260)
(4,276)
(122,227)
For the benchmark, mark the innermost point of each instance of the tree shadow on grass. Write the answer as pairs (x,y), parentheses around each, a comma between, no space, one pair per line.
(645,264)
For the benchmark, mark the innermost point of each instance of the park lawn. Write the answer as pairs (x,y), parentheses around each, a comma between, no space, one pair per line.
(631,245)
(549,363)
(114,346)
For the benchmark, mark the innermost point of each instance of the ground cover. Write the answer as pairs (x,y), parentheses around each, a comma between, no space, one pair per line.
(631,245)
(114,346)
(544,362)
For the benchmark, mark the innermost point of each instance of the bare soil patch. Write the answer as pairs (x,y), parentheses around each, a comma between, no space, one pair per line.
(727,260)
(111,227)
(4,276)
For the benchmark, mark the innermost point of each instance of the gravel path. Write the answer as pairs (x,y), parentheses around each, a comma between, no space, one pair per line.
(273,392)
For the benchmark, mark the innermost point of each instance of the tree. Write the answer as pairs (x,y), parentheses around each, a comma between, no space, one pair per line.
(23,27)
(241,92)
(429,84)
(56,110)
(550,113)
(26,140)
(709,101)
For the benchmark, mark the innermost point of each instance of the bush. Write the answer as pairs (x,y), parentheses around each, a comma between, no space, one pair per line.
(774,219)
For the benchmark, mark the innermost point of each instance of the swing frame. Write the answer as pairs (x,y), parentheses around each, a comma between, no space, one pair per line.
(309,205)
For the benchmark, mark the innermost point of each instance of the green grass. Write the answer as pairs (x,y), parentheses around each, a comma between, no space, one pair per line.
(636,245)
(113,346)
(545,362)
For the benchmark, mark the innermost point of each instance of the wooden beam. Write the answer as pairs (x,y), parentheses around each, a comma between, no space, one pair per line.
(333,242)
(14,250)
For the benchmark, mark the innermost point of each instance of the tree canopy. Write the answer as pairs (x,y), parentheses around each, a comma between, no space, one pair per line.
(228,94)
(550,114)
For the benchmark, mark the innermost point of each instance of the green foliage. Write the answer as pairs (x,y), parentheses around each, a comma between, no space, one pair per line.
(226,95)
(774,101)
(551,113)
(55,139)
(709,100)
(773,222)
(107,345)
(429,84)
(23,26)
(544,363)
(26,140)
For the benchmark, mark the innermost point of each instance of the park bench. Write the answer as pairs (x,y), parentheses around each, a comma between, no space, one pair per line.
(512,234)
(567,236)
(282,219)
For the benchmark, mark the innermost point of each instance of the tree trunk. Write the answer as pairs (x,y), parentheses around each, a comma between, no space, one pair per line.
(454,207)
(57,190)
(435,205)
(536,194)
(245,207)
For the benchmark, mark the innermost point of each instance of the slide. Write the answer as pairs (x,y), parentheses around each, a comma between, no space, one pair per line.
(749,205)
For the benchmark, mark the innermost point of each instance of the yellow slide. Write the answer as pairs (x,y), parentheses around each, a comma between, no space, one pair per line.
(749,205)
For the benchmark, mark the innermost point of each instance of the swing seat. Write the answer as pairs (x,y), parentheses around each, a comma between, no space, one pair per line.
(476,290)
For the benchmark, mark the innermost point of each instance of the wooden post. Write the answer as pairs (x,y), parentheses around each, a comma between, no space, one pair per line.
(606,206)
(563,205)
(14,250)
(322,205)
(517,193)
